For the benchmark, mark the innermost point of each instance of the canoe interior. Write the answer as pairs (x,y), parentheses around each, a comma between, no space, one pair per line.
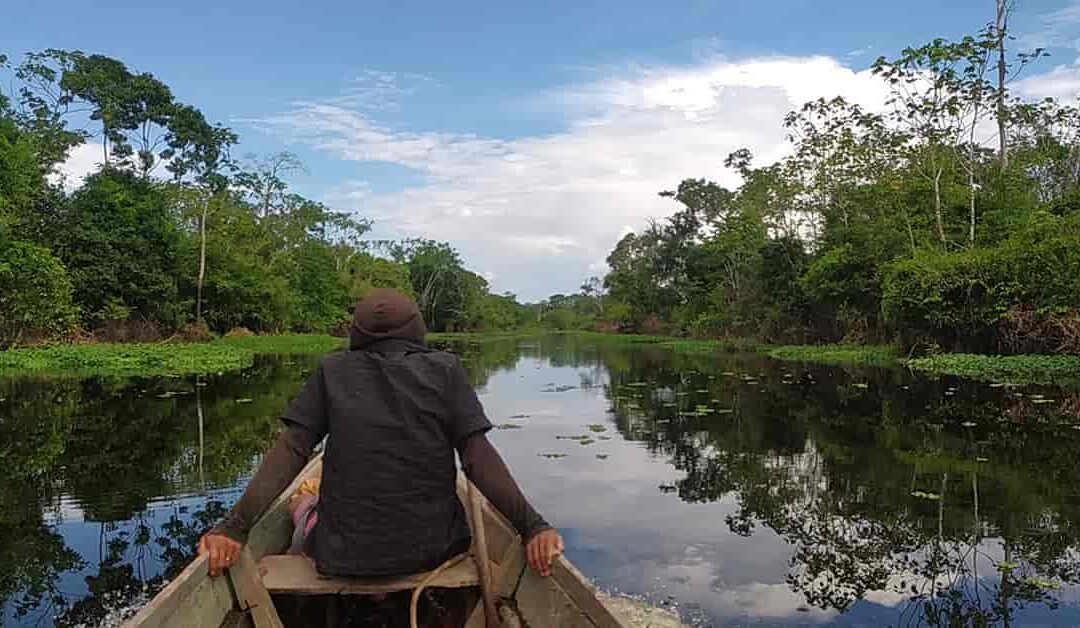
(193,598)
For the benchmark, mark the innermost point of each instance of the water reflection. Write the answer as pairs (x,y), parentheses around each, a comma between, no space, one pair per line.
(751,491)
(107,482)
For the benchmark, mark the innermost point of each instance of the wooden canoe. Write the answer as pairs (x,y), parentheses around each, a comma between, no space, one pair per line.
(243,597)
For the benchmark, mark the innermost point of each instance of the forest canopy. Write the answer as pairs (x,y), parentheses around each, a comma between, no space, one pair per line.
(173,234)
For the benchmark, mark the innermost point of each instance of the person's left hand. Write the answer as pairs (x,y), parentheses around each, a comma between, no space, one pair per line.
(543,549)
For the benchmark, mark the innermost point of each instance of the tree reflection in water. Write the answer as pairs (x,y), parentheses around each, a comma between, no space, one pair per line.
(902,491)
(142,460)
(956,501)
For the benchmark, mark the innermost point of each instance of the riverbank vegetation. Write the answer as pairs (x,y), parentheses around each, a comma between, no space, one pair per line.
(127,359)
(1014,369)
(228,353)
(872,355)
(915,224)
(175,236)
(237,352)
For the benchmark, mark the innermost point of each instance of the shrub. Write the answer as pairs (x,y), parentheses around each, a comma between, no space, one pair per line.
(35,293)
(963,300)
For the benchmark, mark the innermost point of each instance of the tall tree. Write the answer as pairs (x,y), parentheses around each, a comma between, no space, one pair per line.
(200,150)
(264,180)
(1000,32)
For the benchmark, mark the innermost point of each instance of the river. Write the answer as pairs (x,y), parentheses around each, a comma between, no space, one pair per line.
(737,489)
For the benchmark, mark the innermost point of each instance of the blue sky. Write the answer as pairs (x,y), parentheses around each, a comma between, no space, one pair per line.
(530,135)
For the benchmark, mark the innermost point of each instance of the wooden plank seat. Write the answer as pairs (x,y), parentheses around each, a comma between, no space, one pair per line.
(295,574)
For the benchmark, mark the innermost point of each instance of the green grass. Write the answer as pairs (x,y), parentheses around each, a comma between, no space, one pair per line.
(173,358)
(285,343)
(870,355)
(176,358)
(1006,369)
(727,345)
(228,354)
(126,359)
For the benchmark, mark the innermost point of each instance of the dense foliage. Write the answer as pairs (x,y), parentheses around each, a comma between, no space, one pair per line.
(904,224)
(172,234)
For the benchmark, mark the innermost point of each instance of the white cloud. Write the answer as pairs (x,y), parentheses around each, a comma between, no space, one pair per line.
(375,90)
(521,206)
(771,602)
(84,159)
(1061,82)
(1058,29)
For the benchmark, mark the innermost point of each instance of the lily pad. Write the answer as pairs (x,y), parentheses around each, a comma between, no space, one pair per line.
(596,427)
(520,416)
(552,456)
(601,456)
(604,437)
(508,426)
(586,441)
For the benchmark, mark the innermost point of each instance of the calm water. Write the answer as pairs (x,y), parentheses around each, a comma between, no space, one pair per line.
(741,490)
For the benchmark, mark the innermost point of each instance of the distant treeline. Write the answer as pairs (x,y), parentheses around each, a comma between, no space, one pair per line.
(172,234)
(907,224)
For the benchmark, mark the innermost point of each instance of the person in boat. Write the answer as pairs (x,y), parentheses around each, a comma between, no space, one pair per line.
(394,412)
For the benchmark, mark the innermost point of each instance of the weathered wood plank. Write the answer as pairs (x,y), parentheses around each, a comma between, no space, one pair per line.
(481,555)
(175,604)
(544,604)
(208,605)
(508,571)
(583,594)
(193,598)
(296,575)
(272,533)
(251,595)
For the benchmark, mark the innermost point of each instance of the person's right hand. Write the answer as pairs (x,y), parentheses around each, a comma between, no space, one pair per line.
(223,551)
(543,549)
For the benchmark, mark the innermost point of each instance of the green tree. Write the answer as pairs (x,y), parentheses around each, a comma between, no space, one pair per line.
(321,300)
(118,239)
(35,293)
(363,271)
